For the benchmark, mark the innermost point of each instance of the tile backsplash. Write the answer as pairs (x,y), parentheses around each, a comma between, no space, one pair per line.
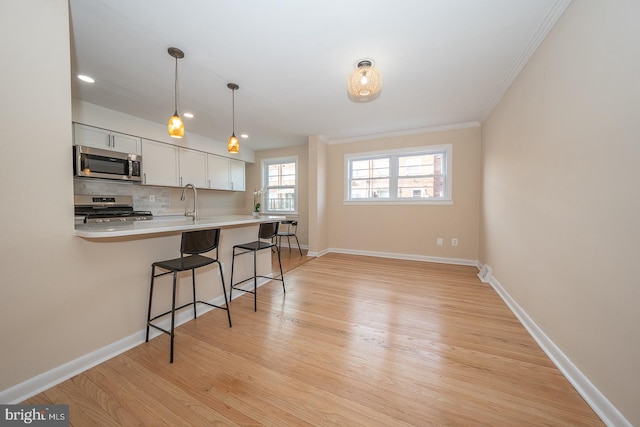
(166,199)
(139,193)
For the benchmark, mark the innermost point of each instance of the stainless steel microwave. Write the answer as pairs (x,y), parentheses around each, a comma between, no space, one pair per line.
(98,163)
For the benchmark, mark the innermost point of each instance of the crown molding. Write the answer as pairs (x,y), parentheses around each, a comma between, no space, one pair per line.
(406,132)
(541,33)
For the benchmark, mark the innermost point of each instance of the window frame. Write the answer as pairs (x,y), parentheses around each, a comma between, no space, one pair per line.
(393,155)
(264,165)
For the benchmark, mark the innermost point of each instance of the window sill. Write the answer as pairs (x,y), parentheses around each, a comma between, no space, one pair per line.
(287,214)
(399,202)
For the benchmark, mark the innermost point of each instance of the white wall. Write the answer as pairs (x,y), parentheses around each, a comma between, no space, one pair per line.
(410,231)
(561,194)
(39,286)
(318,176)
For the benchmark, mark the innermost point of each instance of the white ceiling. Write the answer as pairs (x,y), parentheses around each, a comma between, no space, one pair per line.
(443,62)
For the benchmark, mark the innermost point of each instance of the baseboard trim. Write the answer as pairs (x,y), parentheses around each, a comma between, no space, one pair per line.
(607,412)
(55,376)
(408,257)
(318,254)
(48,379)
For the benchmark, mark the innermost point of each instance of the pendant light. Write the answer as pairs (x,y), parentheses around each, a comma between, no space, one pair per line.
(175,126)
(364,83)
(233,145)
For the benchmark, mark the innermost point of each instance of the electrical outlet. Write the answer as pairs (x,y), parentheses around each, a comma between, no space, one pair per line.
(439,241)
(152,198)
(454,242)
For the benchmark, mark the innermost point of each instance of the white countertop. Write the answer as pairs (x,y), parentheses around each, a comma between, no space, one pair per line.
(166,224)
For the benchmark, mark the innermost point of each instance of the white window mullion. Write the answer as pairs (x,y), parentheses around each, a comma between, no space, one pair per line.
(393,177)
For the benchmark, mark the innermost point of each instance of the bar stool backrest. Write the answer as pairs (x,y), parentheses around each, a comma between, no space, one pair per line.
(268,230)
(200,241)
(292,226)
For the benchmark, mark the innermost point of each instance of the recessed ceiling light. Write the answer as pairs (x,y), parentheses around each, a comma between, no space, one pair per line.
(244,135)
(85,78)
(188,115)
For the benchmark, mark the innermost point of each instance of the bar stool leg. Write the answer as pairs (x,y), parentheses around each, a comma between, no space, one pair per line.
(153,275)
(298,242)
(255,282)
(173,315)
(233,261)
(281,273)
(193,282)
(224,292)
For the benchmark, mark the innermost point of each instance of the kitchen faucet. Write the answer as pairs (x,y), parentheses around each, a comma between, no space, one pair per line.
(193,213)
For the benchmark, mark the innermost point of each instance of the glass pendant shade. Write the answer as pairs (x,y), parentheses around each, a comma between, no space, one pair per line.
(175,126)
(364,83)
(233,146)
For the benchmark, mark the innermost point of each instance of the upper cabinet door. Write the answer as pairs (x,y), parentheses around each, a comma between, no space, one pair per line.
(126,143)
(237,175)
(90,136)
(160,164)
(193,167)
(218,172)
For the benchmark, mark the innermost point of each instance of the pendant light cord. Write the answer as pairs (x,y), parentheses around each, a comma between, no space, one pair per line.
(233,110)
(175,88)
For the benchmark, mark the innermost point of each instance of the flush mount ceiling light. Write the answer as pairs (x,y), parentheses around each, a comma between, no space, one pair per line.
(233,146)
(175,126)
(364,83)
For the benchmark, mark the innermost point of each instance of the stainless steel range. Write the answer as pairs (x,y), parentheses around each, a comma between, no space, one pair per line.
(111,209)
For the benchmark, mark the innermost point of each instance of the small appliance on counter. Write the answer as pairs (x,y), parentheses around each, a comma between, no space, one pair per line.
(106,209)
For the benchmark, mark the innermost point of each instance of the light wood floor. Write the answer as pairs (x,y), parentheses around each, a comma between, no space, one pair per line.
(355,341)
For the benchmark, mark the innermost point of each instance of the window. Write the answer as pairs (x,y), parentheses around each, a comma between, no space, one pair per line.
(280,183)
(416,175)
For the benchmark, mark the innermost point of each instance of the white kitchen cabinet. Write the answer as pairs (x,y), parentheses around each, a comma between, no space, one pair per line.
(237,175)
(218,172)
(173,166)
(225,174)
(193,167)
(160,164)
(90,136)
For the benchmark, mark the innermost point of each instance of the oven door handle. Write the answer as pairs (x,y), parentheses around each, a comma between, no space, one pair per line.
(130,167)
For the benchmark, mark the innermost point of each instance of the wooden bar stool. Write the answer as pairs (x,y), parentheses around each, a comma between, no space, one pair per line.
(194,243)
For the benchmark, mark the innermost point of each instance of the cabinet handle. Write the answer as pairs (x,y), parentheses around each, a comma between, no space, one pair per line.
(209,183)
(180,181)
(144,178)
(231,185)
